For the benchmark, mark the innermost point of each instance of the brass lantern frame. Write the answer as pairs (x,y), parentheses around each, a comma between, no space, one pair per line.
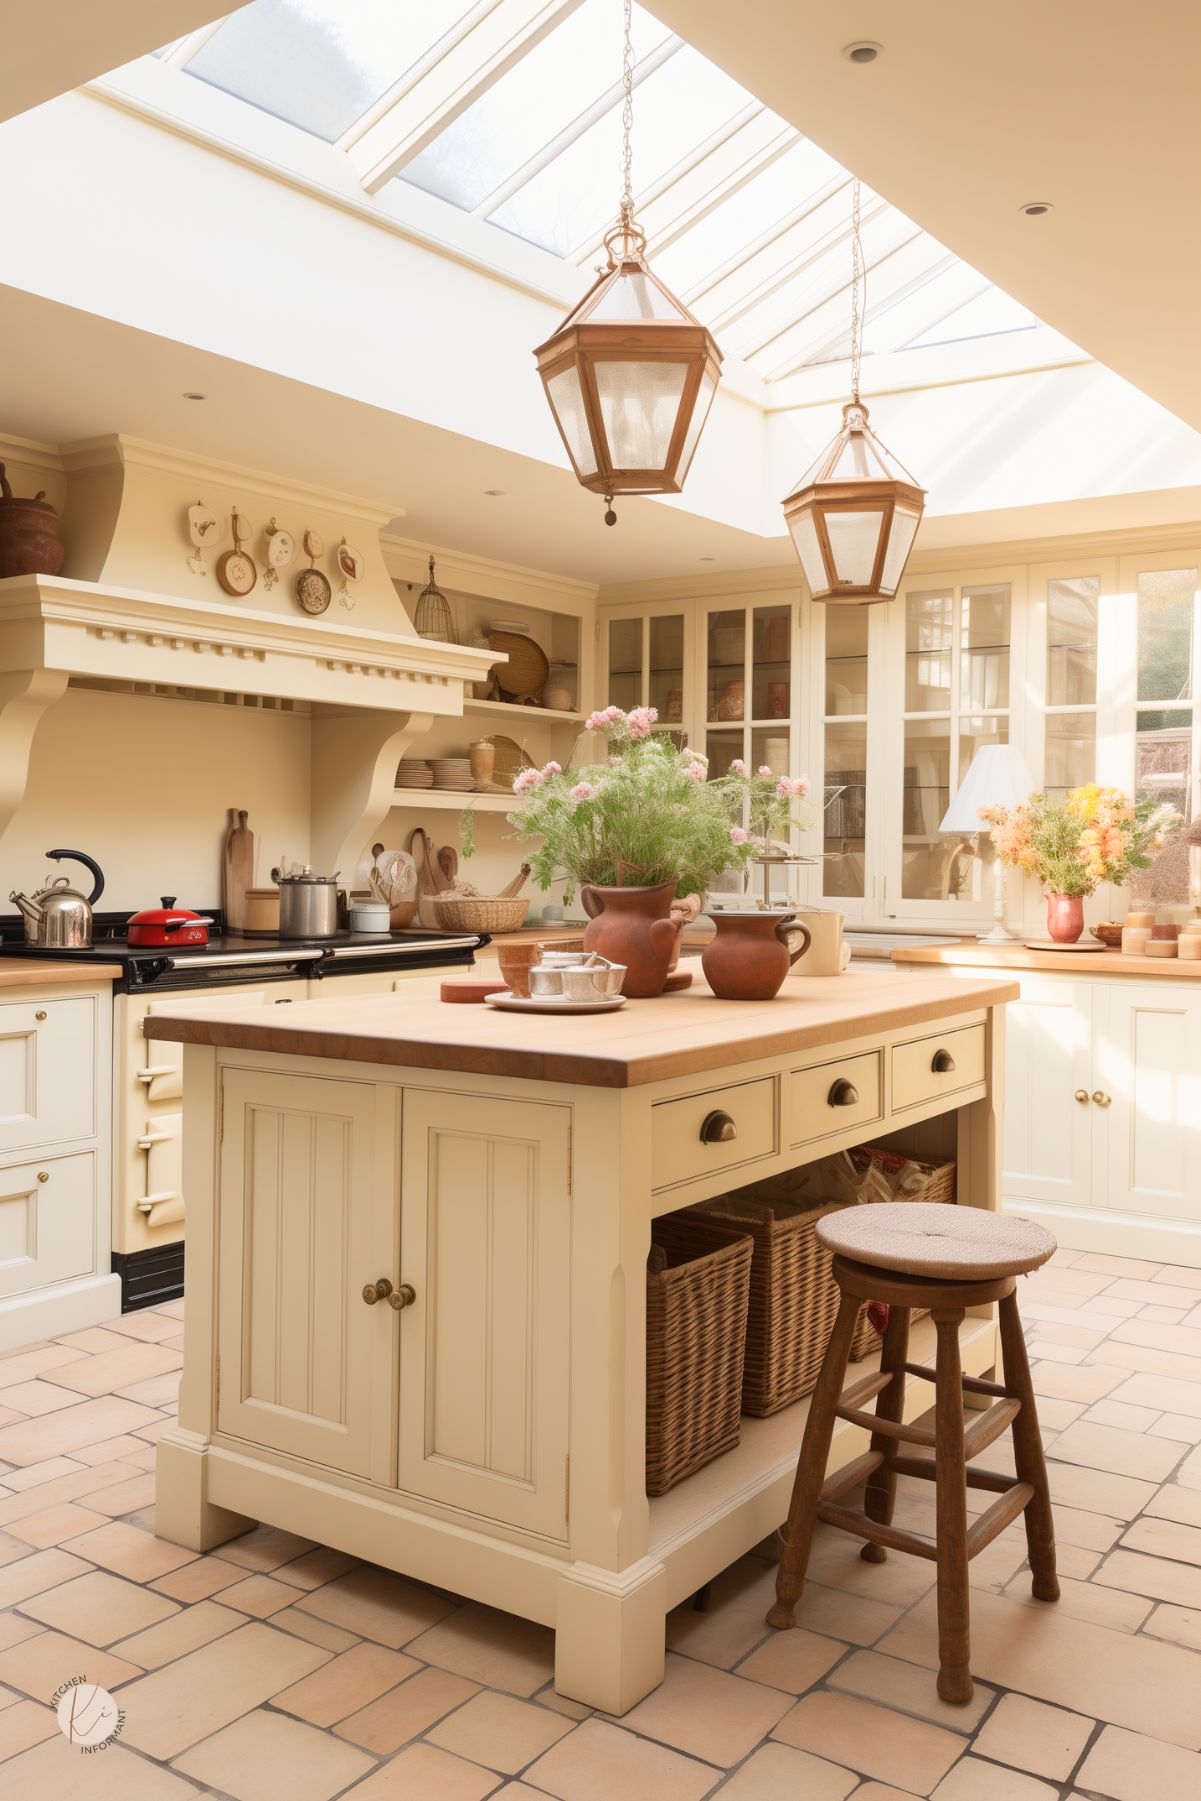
(818,495)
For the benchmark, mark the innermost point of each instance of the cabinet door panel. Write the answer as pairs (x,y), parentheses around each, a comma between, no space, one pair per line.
(47,1072)
(1049,1146)
(47,1222)
(1148,1061)
(304,1363)
(485,1239)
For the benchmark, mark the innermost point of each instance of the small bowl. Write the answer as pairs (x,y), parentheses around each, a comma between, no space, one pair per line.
(516,961)
(595,984)
(1109,934)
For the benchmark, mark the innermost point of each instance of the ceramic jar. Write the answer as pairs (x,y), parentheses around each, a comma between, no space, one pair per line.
(633,926)
(29,540)
(1065,917)
(750,954)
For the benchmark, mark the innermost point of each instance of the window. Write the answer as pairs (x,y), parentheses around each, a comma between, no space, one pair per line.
(1070,744)
(1165,747)
(844,802)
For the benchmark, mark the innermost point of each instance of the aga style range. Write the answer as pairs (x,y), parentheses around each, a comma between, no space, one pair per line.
(148,1202)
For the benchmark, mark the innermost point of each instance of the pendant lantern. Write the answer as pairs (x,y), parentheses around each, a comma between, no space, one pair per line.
(854,515)
(630,374)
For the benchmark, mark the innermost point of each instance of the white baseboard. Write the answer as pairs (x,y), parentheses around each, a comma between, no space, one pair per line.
(51,1312)
(1115,1234)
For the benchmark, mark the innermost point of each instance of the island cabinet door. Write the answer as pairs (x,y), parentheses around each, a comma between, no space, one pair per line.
(1147,1090)
(485,1242)
(306,1220)
(1050,1147)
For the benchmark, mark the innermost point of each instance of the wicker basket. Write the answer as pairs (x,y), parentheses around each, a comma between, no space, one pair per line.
(939,1185)
(473,913)
(696,1308)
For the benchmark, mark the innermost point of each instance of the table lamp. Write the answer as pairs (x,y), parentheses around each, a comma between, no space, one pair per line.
(997,777)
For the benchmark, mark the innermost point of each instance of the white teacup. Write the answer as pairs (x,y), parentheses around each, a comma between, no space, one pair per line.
(828,953)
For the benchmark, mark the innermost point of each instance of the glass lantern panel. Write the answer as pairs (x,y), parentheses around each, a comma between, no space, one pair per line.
(567,400)
(634,297)
(844,816)
(700,412)
(1072,609)
(900,542)
(639,403)
(809,550)
(853,541)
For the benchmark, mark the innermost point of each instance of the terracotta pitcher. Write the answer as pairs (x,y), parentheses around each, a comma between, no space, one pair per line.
(750,954)
(29,540)
(633,926)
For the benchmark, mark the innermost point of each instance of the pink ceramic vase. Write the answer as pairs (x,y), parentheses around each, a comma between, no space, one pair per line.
(1065,917)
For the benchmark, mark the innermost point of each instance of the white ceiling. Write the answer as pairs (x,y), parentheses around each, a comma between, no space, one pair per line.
(973,110)
(50,46)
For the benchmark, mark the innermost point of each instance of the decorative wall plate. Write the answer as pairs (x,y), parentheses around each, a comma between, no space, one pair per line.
(203,531)
(313,591)
(235,570)
(524,676)
(351,565)
(281,548)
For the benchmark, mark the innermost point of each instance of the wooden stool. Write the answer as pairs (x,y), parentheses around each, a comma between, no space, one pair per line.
(946,1258)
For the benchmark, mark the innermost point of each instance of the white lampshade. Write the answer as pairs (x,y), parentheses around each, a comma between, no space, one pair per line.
(997,777)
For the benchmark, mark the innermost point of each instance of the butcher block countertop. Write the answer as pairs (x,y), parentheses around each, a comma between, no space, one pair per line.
(29,972)
(645,1041)
(969,954)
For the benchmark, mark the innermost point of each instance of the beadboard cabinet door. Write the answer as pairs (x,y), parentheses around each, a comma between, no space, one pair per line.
(1051,1138)
(485,1242)
(1147,1065)
(308,1197)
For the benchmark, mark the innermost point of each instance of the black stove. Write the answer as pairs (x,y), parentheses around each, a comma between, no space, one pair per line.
(228,958)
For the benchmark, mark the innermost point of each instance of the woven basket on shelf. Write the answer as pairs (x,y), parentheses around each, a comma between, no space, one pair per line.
(696,1306)
(938,1185)
(474,913)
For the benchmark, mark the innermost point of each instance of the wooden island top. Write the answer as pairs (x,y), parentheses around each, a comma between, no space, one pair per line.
(1019,959)
(645,1041)
(33,972)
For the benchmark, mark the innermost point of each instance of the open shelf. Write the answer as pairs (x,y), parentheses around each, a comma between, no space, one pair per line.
(512,707)
(418,799)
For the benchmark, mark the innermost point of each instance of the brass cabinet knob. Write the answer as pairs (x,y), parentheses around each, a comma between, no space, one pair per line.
(942,1063)
(1101,1099)
(40,1014)
(43,1175)
(404,1296)
(377,1291)
(1082,1096)
(718,1128)
(843,1094)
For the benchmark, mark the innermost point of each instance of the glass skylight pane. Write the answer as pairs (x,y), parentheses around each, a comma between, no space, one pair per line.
(575,197)
(537,99)
(320,64)
(991,312)
(820,280)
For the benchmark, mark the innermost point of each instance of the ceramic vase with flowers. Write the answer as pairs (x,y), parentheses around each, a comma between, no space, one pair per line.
(1071,846)
(638,835)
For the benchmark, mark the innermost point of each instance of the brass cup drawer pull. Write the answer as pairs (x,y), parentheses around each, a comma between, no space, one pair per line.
(1082,1096)
(942,1063)
(404,1296)
(843,1094)
(40,1014)
(43,1175)
(1102,1099)
(718,1128)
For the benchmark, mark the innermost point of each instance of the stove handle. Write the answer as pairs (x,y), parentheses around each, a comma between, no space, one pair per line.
(153,1070)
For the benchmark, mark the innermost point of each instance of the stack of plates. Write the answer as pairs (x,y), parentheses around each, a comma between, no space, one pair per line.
(452,772)
(414,772)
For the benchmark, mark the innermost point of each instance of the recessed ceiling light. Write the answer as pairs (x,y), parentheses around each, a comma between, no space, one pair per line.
(1034,209)
(193,396)
(494,492)
(864,51)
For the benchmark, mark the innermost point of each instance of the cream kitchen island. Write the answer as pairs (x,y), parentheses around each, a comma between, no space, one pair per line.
(498,1174)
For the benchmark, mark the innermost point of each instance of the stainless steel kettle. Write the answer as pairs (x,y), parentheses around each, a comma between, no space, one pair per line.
(58,917)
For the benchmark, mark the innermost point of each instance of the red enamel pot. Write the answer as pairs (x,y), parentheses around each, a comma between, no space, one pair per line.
(168,926)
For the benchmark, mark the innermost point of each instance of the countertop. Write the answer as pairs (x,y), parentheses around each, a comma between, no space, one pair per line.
(969,954)
(28,972)
(645,1041)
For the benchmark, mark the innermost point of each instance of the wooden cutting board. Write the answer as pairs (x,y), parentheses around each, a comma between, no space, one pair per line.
(237,869)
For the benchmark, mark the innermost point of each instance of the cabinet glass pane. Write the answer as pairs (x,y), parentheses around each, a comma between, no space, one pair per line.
(770,746)
(984,646)
(721,748)
(1165,633)
(926,794)
(666,687)
(726,655)
(1071,757)
(771,645)
(846,660)
(928,627)
(1072,642)
(1163,770)
(975,732)
(845,810)
(625,663)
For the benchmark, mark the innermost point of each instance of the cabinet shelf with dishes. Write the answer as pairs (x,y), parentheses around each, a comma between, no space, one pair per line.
(417,800)
(515,710)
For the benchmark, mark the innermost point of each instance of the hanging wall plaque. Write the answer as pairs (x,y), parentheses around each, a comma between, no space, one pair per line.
(281,548)
(204,532)
(350,567)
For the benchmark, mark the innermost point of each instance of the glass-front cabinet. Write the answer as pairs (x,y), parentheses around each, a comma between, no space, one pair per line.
(646,658)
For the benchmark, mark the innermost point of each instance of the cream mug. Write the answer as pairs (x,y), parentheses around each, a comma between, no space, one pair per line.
(828,954)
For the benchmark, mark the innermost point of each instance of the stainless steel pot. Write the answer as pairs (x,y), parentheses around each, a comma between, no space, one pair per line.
(308,905)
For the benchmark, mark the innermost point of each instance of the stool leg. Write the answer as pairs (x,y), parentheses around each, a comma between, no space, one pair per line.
(797,1536)
(1028,1455)
(954,1674)
(881,1493)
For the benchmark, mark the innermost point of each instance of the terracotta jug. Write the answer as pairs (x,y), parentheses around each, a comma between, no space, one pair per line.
(29,540)
(633,926)
(750,955)
(1065,917)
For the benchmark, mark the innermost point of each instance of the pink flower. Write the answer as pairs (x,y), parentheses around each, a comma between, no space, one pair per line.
(552,769)
(765,770)
(640,721)
(603,719)
(525,780)
(614,762)
(738,835)
(583,791)
(792,786)
(696,772)
(738,767)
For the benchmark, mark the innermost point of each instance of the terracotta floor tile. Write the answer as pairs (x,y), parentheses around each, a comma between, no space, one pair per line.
(40,1665)
(1184,1341)
(57,1434)
(263,1753)
(895,1683)
(1147,1358)
(974,1780)
(34,1574)
(1121,1413)
(1183,1277)
(313,1630)
(1106,1303)
(598,1762)
(1164,1538)
(492,1648)
(122,1497)
(36,1397)
(376,1604)
(1165,1294)
(1088,1601)
(733,1623)
(197,1580)
(835,1562)
(1103,1262)
(1179,1426)
(34,1474)
(25,1723)
(55,1771)
(265,1548)
(1073,1562)
(793,1660)
(1095,1491)
(1181,1625)
(34,1361)
(123,1548)
(171,1309)
(1073,1382)
(836,1614)
(260,1595)
(1189,1473)
(1166,1316)
(1052,1350)
(423,1773)
(172,1708)
(1121,1677)
(345,1684)
(1047,1741)
(1130,1767)
(60,1488)
(1075,1280)
(871,1739)
(780,1773)
(707,1713)
(112,1370)
(99,1608)
(1120,1453)
(51,1527)
(145,1324)
(570,1710)
(1157,1577)
(155,1391)
(406,1711)
(1091,1531)
(93,1339)
(881,1791)
(499,1731)
(14,1629)
(183,1632)
(316,1567)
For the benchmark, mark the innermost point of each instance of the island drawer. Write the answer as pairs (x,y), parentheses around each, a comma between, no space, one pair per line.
(713,1131)
(832,1096)
(928,1067)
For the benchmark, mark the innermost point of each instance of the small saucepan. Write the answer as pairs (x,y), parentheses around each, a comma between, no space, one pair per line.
(167,925)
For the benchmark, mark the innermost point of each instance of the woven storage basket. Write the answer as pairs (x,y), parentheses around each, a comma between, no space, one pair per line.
(938,1185)
(696,1302)
(480,914)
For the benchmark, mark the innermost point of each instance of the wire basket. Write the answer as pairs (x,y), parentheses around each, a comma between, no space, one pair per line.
(432,618)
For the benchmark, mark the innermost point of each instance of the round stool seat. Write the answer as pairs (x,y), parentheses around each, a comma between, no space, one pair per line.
(933,1238)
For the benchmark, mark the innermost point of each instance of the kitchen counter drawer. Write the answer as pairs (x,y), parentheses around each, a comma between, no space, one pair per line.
(47,1222)
(47,1072)
(685,1141)
(927,1067)
(831,1097)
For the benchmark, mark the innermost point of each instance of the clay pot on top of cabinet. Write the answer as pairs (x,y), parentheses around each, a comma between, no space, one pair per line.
(29,540)
(634,926)
(749,954)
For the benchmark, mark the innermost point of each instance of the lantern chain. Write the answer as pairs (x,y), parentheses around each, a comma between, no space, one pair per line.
(857,293)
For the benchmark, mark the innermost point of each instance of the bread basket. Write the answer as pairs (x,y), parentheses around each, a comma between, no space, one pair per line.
(479,913)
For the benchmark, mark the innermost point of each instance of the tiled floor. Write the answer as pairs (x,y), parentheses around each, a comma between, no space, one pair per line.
(276,1669)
